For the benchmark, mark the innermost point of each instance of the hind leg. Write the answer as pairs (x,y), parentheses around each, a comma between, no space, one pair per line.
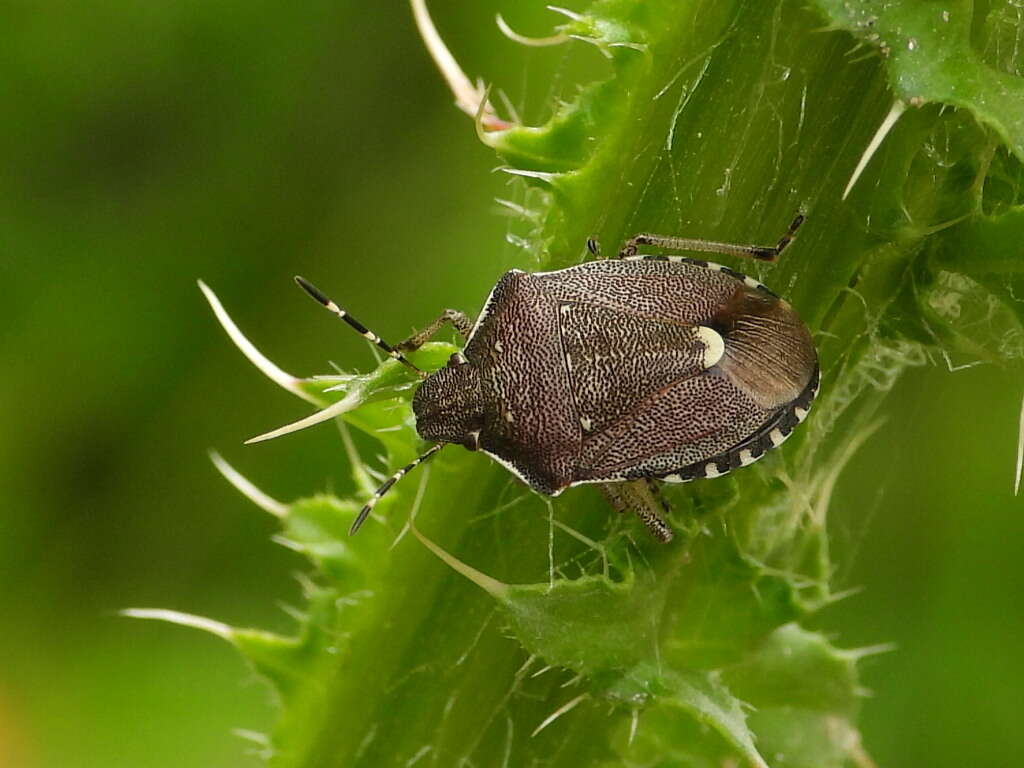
(641,498)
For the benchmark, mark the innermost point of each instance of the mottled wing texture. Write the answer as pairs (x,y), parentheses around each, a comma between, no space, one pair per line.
(618,360)
(681,425)
(671,292)
(603,371)
(530,422)
(662,412)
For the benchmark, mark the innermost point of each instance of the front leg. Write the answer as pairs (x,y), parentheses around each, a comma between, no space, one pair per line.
(460,321)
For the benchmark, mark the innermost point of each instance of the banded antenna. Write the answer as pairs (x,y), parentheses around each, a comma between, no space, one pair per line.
(363,331)
(368,508)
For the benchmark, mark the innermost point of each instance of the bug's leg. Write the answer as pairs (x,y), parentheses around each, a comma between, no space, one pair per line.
(655,489)
(649,507)
(761,252)
(636,497)
(612,494)
(460,321)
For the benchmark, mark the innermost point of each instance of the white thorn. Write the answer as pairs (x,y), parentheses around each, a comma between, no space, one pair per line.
(566,12)
(480,117)
(558,713)
(254,737)
(634,722)
(267,368)
(869,650)
(597,43)
(244,486)
(526,665)
(1020,450)
(496,589)
(533,42)
(542,175)
(467,95)
(183,619)
(898,108)
(344,405)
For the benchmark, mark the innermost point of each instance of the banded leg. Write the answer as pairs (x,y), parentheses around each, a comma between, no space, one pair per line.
(637,497)
(761,252)
(460,321)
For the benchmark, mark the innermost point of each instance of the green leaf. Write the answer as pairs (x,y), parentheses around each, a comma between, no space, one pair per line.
(929,57)
(805,695)
(688,718)
(591,624)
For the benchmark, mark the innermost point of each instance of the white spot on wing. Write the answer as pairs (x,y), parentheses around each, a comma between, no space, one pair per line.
(711,470)
(800,413)
(586,423)
(714,345)
(746,457)
(777,437)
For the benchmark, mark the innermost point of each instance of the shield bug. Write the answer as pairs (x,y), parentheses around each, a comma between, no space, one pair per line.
(618,372)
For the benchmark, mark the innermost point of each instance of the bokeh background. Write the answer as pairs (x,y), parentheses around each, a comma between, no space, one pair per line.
(145,145)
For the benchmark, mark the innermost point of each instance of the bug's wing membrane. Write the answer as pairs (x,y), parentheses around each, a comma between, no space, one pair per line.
(617,360)
(655,441)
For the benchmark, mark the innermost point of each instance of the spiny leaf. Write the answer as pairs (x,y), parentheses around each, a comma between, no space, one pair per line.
(686,717)
(805,695)
(930,58)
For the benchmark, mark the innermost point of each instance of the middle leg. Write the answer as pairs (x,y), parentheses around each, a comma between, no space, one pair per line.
(637,497)
(761,252)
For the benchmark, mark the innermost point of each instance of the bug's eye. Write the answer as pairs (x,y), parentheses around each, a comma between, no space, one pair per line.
(456,360)
(472,440)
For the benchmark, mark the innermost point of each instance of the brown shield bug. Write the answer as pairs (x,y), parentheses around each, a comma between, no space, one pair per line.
(618,372)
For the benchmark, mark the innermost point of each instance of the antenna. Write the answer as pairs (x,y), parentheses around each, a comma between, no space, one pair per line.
(368,508)
(363,331)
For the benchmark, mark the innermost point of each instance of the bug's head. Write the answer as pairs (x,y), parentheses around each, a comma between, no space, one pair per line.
(448,405)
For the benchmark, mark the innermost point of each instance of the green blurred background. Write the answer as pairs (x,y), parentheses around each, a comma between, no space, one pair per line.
(146,145)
